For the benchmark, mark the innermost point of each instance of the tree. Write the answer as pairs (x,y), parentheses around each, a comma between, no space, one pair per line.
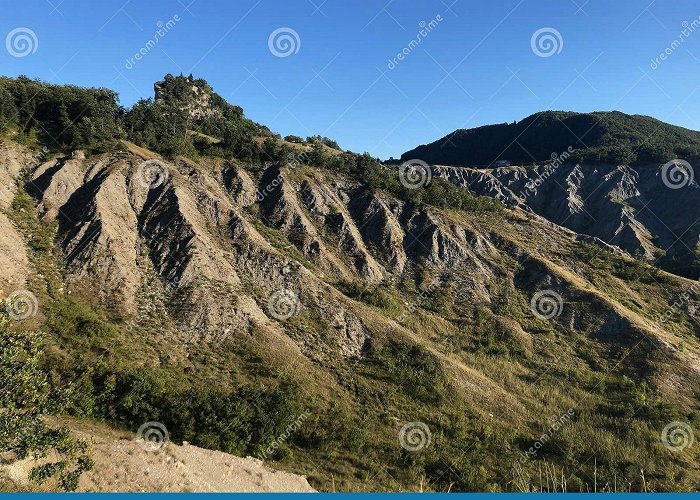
(323,140)
(294,138)
(25,396)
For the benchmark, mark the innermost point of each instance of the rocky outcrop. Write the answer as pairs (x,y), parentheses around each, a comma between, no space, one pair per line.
(239,185)
(55,181)
(97,227)
(328,208)
(280,208)
(191,96)
(378,224)
(635,209)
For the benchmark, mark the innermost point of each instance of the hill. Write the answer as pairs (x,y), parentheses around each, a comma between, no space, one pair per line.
(601,137)
(315,312)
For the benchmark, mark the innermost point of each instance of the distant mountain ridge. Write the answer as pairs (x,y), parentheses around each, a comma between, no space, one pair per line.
(599,137)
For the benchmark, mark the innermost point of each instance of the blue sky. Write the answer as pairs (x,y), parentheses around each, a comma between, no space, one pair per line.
(476,65)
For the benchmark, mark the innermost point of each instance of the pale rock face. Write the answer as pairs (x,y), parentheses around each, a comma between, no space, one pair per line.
(328,208)
(14,262)
(631,208)
(194,232)
(234,255)
(239,185)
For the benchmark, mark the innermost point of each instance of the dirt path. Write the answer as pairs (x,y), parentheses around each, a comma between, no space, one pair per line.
(124,464)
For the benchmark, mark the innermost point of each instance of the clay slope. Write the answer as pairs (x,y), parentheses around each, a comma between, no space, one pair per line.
(641,210)
(231,252)
(14,265)
(308,268)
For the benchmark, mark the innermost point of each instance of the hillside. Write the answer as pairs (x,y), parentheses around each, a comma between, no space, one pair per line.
(650,212)
(314,312)
(602,137)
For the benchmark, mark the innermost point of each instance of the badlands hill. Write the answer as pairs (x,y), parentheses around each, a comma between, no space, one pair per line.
(297,303)
(607,175)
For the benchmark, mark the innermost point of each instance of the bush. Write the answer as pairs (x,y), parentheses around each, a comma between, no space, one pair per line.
(323,140)
(25,395)
(371,295)
(414,369)
(243,420)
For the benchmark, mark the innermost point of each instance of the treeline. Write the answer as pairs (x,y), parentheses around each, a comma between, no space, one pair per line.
(185,118)
(601,137)
(188,118)
(59,116)
(66,117)
(375,176)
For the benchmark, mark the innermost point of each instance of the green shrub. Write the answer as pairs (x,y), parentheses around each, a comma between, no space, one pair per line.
(414,369)
(26,394)
(71,320)
(372,295)
(243,420)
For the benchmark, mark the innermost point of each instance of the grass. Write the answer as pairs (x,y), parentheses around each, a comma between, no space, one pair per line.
(278,240)
(372,295)
(39,236)
(204,137)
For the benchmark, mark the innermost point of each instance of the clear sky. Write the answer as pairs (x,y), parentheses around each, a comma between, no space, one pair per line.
(475,66)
